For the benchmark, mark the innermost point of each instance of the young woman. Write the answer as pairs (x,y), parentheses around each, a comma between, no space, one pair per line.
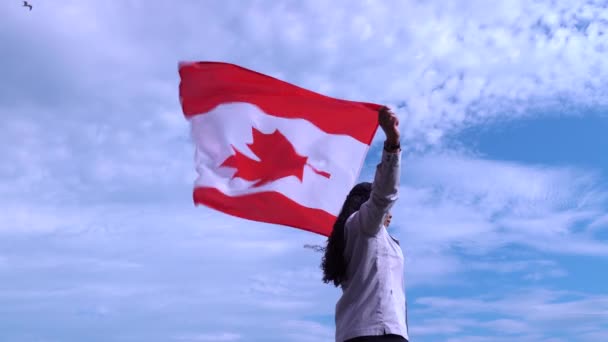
(363,259)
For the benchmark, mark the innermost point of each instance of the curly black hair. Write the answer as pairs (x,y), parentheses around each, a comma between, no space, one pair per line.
(333,263)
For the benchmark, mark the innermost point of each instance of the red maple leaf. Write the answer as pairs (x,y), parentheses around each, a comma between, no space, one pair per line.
(278,159)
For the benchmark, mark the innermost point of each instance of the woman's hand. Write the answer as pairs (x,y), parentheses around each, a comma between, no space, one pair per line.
(390,125)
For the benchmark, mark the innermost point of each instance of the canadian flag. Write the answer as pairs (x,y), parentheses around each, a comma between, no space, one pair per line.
(270,151)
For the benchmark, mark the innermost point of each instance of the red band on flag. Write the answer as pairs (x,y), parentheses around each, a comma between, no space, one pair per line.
(271,207)
(205,85)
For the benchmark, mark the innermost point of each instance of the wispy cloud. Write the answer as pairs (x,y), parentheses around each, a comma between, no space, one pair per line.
(452,65)
(533,314)
(485,204)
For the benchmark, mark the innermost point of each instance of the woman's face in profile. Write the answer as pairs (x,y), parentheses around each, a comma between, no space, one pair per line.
(387,219)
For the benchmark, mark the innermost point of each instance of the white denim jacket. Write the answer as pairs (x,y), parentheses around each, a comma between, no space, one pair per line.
(373,296)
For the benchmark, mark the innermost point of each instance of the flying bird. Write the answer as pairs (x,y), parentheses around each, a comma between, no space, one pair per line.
(26,4)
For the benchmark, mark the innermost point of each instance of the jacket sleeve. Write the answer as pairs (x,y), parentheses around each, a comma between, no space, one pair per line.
(385,190)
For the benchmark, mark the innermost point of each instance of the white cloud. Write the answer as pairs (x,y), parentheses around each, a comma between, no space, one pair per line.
(301,330)
(533,314)
(453,64)
(482,204)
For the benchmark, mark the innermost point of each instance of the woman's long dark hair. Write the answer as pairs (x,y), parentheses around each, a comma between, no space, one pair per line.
(334,264)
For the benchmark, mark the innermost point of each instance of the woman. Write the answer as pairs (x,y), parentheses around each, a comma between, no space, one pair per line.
(363,259)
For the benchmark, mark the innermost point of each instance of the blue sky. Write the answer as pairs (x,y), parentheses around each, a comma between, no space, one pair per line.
(504,198)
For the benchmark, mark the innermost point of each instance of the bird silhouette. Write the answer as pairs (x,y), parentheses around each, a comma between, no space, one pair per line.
(26,4)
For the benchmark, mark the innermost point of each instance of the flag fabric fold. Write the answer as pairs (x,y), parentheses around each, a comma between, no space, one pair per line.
(269,151)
